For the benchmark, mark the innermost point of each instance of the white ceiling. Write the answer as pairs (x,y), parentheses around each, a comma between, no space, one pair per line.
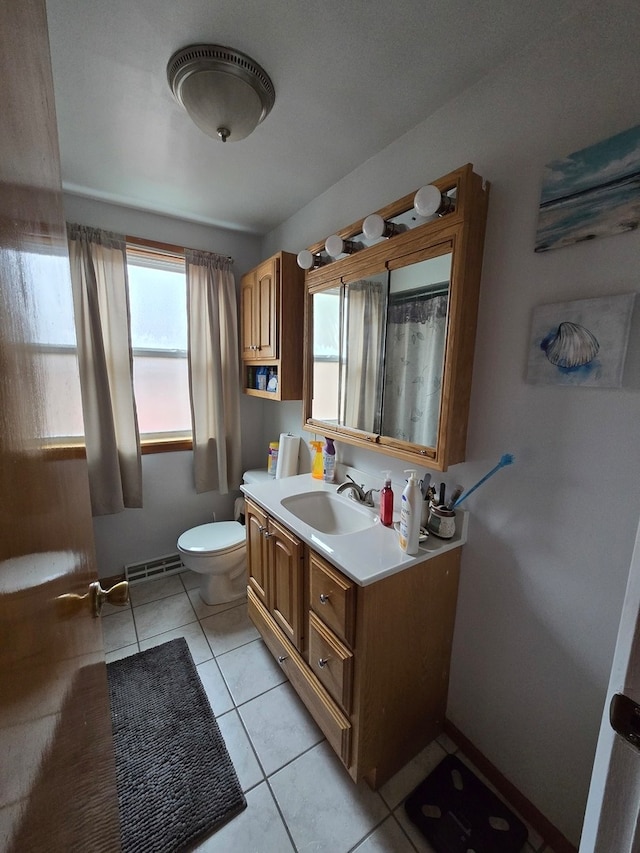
(350,77)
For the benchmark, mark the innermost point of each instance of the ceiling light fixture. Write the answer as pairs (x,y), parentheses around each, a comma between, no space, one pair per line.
(226,93)
(429,201)
(374,227)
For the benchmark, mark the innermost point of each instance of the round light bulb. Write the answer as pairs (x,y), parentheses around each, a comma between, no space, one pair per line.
(373,227)
(305,259)
(334,246)
(427,201)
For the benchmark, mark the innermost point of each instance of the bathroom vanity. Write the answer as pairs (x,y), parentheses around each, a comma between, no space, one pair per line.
(362,631)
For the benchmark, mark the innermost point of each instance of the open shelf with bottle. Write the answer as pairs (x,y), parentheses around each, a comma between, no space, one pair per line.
(261,380)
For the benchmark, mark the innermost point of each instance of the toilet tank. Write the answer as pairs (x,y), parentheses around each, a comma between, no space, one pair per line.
(258,475)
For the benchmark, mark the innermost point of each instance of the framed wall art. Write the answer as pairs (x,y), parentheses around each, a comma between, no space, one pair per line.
(583,342)
(592,193)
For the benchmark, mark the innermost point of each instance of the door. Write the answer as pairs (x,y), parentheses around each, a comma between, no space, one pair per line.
(248,313)
(266,302)
(57,778)
(613,807)
(257,555)
(285,592)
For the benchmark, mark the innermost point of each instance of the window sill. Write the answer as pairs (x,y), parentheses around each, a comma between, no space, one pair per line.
(76,450)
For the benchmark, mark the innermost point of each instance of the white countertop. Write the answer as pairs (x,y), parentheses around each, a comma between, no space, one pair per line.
(365,556)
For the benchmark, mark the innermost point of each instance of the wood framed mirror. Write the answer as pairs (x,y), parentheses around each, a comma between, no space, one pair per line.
(390,328)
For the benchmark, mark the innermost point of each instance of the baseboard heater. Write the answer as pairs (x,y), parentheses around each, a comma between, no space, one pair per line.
(170,564)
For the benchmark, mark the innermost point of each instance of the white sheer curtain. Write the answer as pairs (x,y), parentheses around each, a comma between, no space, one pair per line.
(214,371)
(416,332)
(101,306)
(363,347)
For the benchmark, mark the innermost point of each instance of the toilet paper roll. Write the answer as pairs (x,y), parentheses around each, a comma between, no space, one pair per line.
(287,465)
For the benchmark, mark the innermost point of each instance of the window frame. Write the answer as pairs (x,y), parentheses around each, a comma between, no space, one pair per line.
(73,447)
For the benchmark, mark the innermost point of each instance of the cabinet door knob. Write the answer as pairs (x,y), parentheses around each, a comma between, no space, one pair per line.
(322,662)
(268,535)
(323,598)
(261,528)
(282,658)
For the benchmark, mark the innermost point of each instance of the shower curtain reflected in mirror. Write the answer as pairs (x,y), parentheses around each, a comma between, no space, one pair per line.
(416,334)
(363,352)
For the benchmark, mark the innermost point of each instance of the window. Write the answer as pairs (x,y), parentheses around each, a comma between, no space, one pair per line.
(158,308)
(158,305)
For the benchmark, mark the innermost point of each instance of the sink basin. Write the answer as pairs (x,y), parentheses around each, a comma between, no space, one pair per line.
(328,513)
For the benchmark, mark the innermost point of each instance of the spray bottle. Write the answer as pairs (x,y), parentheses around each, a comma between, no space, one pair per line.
(386,501)
(316,467)
(329,461)
(410,515)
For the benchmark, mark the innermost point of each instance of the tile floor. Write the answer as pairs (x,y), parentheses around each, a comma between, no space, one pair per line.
(299,796)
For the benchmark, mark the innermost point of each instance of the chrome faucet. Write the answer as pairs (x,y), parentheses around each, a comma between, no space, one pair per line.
(357,492)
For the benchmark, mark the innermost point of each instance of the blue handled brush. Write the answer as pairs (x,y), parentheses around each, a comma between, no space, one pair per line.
(506,459)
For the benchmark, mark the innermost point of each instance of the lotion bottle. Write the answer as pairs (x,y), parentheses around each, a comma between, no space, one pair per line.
(329,461)
(386,501)
(410,516)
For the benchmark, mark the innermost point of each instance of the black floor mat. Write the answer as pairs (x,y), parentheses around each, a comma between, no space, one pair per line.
(457,813)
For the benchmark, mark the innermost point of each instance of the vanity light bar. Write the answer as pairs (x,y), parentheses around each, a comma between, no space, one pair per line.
(427,202)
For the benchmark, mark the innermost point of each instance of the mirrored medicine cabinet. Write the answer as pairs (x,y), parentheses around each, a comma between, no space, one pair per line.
(390,329)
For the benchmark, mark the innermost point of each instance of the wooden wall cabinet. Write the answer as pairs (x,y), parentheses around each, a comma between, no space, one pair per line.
(371,663)
(271,309)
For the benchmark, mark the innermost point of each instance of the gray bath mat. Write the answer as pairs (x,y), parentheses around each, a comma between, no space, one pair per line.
(176,782)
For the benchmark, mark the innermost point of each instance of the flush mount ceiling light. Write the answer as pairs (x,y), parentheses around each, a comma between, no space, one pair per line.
(226,93)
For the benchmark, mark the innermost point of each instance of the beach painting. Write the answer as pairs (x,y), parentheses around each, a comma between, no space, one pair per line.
(583,342)
(592,193)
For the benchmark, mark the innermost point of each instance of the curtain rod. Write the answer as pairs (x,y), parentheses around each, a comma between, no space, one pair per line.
(169,248)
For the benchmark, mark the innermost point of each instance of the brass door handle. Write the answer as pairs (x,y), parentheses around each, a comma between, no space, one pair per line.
(71,603)
(117,594)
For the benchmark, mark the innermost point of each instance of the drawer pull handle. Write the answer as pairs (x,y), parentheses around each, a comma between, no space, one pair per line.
(322,662)
(282,658)
(323,598)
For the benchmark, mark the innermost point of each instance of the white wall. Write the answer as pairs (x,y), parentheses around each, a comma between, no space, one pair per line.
(551,537)
(170,503)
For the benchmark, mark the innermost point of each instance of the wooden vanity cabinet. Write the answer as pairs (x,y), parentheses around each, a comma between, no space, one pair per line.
(274,558)
(371,663)
(271,311)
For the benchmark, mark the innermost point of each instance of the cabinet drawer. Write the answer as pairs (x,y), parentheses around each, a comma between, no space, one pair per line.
(331,661)
(333,723)
(332,596)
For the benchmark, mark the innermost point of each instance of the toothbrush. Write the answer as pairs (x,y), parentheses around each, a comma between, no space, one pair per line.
(505,460)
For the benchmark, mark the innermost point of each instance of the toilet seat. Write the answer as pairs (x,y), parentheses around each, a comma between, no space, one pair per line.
(217,537)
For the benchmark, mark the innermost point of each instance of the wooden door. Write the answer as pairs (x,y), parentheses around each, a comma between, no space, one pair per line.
(249,314)
(257,557)
(285,591)
(611,819)
(57,775)
(267,302)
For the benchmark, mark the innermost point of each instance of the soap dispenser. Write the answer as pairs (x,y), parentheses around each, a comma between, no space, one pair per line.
(317,469)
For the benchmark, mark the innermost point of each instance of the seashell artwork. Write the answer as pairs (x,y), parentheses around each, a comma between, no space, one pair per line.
(571,346)
(583,342)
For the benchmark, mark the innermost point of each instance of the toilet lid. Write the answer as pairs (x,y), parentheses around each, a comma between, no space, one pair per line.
(214,538)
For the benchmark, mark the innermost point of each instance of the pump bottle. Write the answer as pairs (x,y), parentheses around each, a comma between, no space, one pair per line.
(410,516)
(386,501)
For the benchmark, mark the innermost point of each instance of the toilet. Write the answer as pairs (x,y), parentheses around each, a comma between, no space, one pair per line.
(218,553)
